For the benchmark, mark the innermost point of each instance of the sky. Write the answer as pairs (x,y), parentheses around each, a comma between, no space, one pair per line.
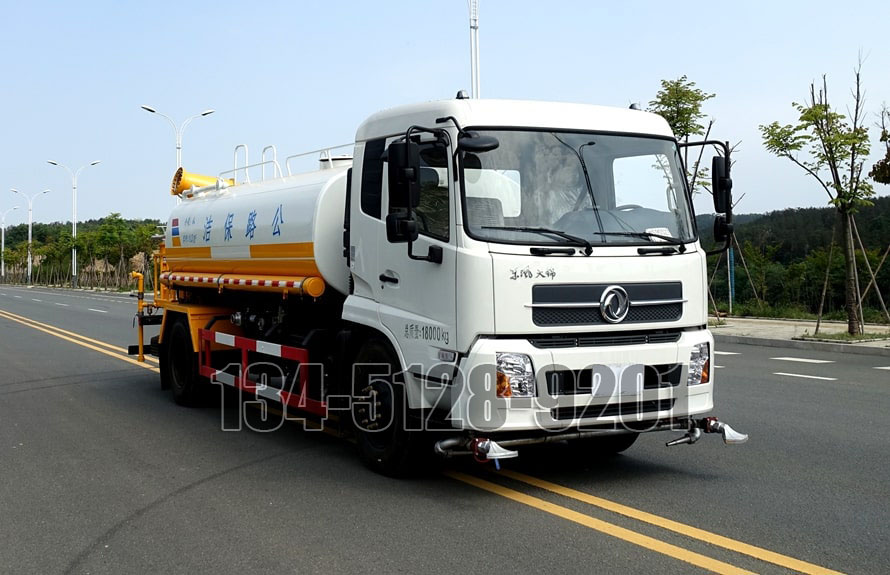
(303,76)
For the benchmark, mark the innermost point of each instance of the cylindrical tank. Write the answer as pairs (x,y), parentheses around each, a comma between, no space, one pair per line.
(290,227)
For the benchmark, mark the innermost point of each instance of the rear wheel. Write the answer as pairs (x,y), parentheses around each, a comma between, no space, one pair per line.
(161,351)
(181,365)
(378,410)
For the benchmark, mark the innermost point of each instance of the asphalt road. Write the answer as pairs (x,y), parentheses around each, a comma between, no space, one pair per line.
(100,472)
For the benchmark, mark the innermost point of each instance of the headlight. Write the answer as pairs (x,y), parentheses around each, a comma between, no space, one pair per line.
(516,375)
(699,364)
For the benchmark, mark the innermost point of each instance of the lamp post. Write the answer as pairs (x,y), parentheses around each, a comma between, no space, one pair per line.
(3,243)
(30,221)
(178,131)
(73,214)
(473,5)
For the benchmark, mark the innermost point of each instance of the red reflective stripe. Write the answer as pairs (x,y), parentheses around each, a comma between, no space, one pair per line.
(294,353)
(245,343)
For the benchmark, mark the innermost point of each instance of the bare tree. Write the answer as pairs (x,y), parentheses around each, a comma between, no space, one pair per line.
(832,148)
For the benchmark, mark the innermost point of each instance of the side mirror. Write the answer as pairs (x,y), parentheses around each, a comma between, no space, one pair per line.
(721,184)
(722,229)
(403,159)
(400,228)
(476,143)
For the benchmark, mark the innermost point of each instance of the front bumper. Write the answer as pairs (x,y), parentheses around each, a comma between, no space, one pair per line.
(626,387)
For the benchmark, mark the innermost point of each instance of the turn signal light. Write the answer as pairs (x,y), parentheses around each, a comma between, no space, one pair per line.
(504,389)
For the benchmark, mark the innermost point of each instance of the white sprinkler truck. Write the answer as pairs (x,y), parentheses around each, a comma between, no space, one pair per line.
(478,276)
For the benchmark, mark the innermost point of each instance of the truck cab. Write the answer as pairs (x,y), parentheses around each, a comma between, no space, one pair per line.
(540,271)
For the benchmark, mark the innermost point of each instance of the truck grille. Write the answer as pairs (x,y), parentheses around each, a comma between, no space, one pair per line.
(612,409)
(570,304)
(576,382)
(587,316)
(605,339)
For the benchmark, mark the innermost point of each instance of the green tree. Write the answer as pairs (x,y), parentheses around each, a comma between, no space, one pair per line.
(114,236)
(679,102)
(825,140)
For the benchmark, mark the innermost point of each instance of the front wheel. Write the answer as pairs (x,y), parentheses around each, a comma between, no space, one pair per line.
(378,409)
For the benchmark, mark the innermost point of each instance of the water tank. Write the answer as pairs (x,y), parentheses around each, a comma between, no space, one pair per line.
(290,227)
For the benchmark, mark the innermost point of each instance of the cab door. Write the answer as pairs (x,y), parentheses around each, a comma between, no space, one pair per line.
(416,297)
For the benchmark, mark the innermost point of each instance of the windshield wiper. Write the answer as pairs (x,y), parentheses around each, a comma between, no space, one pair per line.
(588,248)
(579,153)
(674,246)
(645,236)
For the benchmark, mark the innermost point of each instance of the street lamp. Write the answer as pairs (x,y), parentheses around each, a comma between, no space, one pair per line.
(3,243)
(473,5)
(30,220)
(73,214)
(178,131)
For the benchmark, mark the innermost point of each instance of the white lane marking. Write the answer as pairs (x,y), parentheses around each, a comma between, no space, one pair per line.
(114,299)
(802,360)
(97,310)
(719,366)
(62,304)
(35,299)
(806,376)
(18,296)
(727,353)
(886,368)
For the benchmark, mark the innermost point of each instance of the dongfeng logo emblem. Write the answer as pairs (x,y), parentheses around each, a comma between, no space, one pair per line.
(614,304)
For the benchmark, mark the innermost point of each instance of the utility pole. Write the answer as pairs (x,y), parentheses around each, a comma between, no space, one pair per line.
(178,131)
(30,221)
(474,47)
(730,270)
(73,214)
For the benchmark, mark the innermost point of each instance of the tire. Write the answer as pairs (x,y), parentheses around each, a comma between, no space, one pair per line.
(387,446)
(605,445)
(163,364)
(181,366)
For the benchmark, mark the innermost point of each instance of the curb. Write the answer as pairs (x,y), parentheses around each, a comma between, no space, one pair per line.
(796,344)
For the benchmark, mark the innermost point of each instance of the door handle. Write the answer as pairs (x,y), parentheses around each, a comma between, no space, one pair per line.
(388,279)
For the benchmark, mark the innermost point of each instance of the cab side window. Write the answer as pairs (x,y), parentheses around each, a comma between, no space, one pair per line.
(372,177)
(432,213)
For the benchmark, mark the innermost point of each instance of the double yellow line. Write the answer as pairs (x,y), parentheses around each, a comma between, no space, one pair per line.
(81,340)
(708,563)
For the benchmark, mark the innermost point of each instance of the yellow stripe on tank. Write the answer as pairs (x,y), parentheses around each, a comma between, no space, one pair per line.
(293,259)
(294,250)
(258,251)
(188,252)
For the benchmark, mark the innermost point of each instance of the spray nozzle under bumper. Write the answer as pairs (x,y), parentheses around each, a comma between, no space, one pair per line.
(709,425)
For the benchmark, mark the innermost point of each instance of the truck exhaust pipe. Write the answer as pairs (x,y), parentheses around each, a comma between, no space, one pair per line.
(709,425)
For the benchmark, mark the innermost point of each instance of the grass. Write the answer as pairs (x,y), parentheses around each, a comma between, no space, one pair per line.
(846,337)
(791,311)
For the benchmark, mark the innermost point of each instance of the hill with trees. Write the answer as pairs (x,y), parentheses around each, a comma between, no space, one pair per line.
(786,253)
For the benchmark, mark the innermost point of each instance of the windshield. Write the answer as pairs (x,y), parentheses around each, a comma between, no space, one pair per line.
(542,187)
